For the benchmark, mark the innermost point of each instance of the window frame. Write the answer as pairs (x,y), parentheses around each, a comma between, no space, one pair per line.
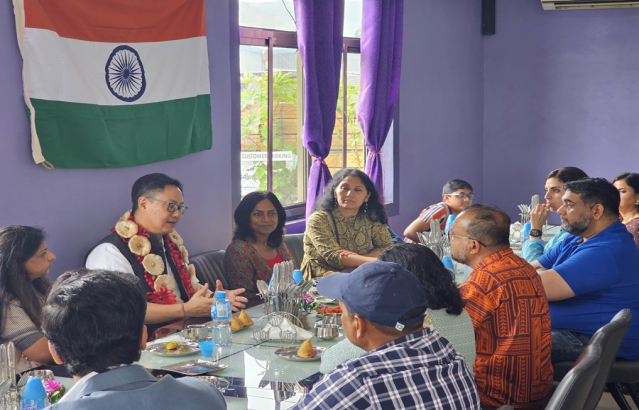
(271,38)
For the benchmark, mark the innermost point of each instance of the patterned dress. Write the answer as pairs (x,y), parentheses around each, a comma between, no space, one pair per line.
(506,301)
(243,267)
(633,228)
(328,232)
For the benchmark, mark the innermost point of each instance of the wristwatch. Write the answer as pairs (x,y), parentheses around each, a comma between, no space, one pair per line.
(535,233)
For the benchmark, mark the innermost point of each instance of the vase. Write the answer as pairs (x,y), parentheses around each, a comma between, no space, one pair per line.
(308,320)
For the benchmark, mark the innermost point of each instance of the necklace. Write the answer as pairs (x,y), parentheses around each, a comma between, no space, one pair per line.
(162,284)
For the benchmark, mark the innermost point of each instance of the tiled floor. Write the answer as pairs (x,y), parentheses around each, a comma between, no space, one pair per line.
(608,403)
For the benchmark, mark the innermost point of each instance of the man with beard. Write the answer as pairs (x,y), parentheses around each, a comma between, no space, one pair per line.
(506,302)
(593,273)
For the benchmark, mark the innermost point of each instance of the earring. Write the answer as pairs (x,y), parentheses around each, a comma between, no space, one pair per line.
(335,200)
(365,206)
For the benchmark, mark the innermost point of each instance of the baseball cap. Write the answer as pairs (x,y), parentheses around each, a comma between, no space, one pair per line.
(382,292)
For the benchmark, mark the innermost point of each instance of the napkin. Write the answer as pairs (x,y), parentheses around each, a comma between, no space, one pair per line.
(275,332)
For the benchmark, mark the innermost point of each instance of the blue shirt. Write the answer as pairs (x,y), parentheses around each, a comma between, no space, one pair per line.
(533,249)
(417,371)
(603,272)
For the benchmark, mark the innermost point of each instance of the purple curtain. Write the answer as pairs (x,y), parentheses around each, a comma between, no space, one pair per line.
(319,39)
(381,54)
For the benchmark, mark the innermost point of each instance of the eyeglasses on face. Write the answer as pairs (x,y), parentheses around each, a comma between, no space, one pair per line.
(170,206)
(450,235)
(463,196)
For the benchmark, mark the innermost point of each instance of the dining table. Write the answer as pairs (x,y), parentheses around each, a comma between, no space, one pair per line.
(257,377)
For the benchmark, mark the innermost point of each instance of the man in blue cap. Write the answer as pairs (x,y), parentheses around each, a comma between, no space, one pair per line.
(407,366)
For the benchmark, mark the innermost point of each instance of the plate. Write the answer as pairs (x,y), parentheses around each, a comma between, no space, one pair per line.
(195,367)
(183,349)
(290,353)
(325,301)
(245,327)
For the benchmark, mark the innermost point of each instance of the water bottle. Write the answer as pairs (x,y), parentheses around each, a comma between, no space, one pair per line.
(221,315)
(525,233)
(449,223)
(34,396)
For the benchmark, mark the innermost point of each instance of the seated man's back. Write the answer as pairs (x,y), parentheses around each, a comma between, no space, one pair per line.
(94,320)
(134,387)
(506,301)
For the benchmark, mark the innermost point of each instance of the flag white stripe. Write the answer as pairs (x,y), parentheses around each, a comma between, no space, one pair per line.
(62,69)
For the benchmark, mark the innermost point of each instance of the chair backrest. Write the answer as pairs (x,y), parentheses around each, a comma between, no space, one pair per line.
(609,337)
(295,243)
(574,389)
(209,266)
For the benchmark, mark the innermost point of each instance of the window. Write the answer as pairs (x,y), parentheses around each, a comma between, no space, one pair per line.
(272,105)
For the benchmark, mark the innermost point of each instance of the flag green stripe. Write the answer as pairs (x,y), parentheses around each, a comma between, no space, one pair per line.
(74,135)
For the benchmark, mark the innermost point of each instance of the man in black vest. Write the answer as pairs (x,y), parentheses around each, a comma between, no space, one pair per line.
(144,243)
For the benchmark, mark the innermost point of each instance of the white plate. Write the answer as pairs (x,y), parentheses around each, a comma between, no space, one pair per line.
(183,349)
(326,301)
(290,353)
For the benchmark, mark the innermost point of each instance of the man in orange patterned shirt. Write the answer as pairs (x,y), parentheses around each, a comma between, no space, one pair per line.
(507,303)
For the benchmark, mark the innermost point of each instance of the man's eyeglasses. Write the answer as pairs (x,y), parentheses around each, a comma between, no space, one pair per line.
(463,196)
(461,236)
(170,206)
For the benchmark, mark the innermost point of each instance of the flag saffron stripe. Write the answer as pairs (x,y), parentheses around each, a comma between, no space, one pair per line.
(115,21)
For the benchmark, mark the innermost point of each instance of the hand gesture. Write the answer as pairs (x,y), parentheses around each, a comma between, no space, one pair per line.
(200,304)
(539,216)
(237,302)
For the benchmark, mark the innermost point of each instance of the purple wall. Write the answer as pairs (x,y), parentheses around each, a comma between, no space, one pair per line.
(561,88)
(441,102)
(78,207)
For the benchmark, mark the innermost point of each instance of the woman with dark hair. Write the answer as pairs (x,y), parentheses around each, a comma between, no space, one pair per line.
(445,312)
(24,264)
(348,227)
(555,180)
(628,185)
(258,243)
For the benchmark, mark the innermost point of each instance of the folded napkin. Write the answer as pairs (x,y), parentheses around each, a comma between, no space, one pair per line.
(277,332)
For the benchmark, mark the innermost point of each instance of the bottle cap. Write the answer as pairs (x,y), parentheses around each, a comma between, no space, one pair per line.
(526,228)
(34,389)
(220,294)
(298,276)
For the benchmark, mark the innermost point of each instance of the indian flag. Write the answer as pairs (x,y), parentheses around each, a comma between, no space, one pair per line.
(114,83)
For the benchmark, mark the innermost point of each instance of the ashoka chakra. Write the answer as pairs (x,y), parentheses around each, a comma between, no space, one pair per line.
(125,74)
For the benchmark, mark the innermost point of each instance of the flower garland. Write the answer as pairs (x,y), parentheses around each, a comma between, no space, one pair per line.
(163,285)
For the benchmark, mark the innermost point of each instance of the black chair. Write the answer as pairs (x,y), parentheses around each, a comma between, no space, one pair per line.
(209,267)
(295,244)
(609,337)
(574,390)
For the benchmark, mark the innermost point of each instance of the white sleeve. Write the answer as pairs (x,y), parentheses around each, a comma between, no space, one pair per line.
(107,256)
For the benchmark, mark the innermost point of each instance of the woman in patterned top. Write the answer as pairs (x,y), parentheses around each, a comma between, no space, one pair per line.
(24,264)
(628,185)
(348,227)
(258,243)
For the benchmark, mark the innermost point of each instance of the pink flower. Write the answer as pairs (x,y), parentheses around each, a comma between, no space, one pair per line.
(51,386)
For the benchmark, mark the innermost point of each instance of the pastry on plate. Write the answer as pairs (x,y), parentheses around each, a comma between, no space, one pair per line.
(236,323)
(244,317)
(306,350)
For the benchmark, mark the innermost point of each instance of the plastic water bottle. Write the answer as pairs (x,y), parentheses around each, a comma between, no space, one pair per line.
(34,396)
(525,233)
(449,223)
(221,315)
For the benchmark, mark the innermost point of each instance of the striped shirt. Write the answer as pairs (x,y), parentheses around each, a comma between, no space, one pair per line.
(19,329)
(417,371)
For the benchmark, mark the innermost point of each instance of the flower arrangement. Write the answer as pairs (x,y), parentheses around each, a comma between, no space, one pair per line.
(307,304)
(55,390)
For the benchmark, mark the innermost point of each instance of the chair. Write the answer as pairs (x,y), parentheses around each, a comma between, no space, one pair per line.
(576,387)
(609,337)
(295,244)
(209,267)
(574,390)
